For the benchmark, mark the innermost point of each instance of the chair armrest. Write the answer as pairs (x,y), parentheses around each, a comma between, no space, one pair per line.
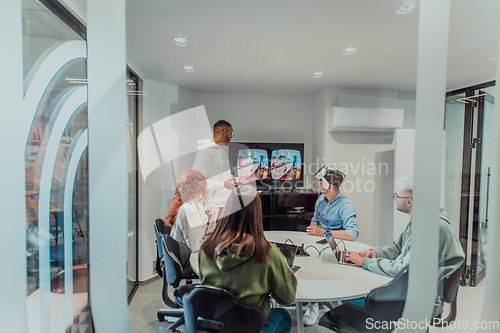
(180,291)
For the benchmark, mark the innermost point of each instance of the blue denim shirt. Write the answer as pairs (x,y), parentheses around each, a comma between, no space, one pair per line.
(338,214)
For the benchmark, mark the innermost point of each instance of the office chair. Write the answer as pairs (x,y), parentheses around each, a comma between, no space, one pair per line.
(174,267)
(450,294)
(384,303)
(210,309)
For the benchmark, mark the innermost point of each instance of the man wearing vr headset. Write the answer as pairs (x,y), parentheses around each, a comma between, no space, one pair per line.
(334,216)
(333,211)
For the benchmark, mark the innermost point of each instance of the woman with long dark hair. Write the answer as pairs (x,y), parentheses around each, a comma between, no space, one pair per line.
(237,257)
(186,216)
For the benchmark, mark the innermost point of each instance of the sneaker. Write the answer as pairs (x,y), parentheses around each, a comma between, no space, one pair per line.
(311,315)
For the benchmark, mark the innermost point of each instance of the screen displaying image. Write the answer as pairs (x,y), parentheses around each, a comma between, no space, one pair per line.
(253,163)
(286,164)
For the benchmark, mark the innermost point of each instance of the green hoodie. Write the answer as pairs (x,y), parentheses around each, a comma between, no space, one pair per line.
(393,258)
(251,283)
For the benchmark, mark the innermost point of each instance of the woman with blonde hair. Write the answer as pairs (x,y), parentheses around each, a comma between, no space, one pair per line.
(186,216)
(237,257)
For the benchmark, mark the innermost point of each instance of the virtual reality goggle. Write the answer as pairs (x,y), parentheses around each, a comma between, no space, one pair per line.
(320,174)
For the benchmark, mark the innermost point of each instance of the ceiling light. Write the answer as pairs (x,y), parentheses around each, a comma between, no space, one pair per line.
(188,68)
(349,50)
(405,9)
(318,73)
(494,59)
(316,76)
(180,41)
(189,71)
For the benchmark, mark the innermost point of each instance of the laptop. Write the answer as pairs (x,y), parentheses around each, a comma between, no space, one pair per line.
(289,251)
(338,253)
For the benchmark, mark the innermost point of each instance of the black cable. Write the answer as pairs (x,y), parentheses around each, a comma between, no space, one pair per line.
(314,247)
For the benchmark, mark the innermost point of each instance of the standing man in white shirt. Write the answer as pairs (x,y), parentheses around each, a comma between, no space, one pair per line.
(212,160)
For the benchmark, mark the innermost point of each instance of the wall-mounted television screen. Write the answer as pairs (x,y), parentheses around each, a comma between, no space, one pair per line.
(269,164)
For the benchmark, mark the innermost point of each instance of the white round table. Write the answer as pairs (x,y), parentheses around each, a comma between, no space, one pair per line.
(320,278)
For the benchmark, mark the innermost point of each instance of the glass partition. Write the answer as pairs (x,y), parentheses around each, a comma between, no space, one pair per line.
(468,124)
(56,172)
(57,190)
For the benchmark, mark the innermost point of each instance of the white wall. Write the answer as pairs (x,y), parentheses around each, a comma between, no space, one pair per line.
(261,117)
(161,101)
(367,159)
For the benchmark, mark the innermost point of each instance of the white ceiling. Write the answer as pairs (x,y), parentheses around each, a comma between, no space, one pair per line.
(276,45)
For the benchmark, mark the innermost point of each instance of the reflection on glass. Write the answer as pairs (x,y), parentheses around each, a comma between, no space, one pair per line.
(56,155)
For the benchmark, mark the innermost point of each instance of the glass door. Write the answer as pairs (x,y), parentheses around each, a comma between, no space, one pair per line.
(468,121)
(133,82)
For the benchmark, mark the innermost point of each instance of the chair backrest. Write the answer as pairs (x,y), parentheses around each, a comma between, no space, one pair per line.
(451,284)
(212,309)
(391,295)
(160,230)
(176,259)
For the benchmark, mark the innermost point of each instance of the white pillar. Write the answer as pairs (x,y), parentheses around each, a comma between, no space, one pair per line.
(108,178)
(12,177)
(431,91)
(492,292)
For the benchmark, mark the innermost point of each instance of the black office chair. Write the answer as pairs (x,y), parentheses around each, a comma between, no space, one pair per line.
(174,267)
(210,309)
(450,293)
(384,303)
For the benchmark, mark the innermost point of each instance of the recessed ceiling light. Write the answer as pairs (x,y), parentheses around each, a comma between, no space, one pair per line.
(189,71)
(316,76)
(405,9)
(188,68)
(180,41)
(318,73)
(349,50)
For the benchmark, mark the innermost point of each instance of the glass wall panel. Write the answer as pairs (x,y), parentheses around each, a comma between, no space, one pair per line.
(56,173)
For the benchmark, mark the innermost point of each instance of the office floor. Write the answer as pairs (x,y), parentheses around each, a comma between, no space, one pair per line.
(147,300)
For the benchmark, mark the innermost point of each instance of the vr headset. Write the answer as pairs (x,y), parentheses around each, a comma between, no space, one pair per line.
(320,174)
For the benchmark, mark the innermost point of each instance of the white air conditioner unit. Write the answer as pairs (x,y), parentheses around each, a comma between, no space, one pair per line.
(359,119)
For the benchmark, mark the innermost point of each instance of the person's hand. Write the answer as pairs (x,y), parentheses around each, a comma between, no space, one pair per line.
(368,253)
(229,184)
(314,230)
(245,180)
(214,212)
(354,257)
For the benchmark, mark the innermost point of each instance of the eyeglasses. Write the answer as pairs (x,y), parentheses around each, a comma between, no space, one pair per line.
(395,196)
(232,133)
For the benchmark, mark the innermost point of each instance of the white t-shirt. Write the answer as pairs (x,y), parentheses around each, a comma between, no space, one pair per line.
(190,225)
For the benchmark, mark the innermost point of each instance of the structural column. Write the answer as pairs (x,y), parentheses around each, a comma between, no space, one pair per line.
(14,128)
(431,91)
(492,294)
(108,178)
